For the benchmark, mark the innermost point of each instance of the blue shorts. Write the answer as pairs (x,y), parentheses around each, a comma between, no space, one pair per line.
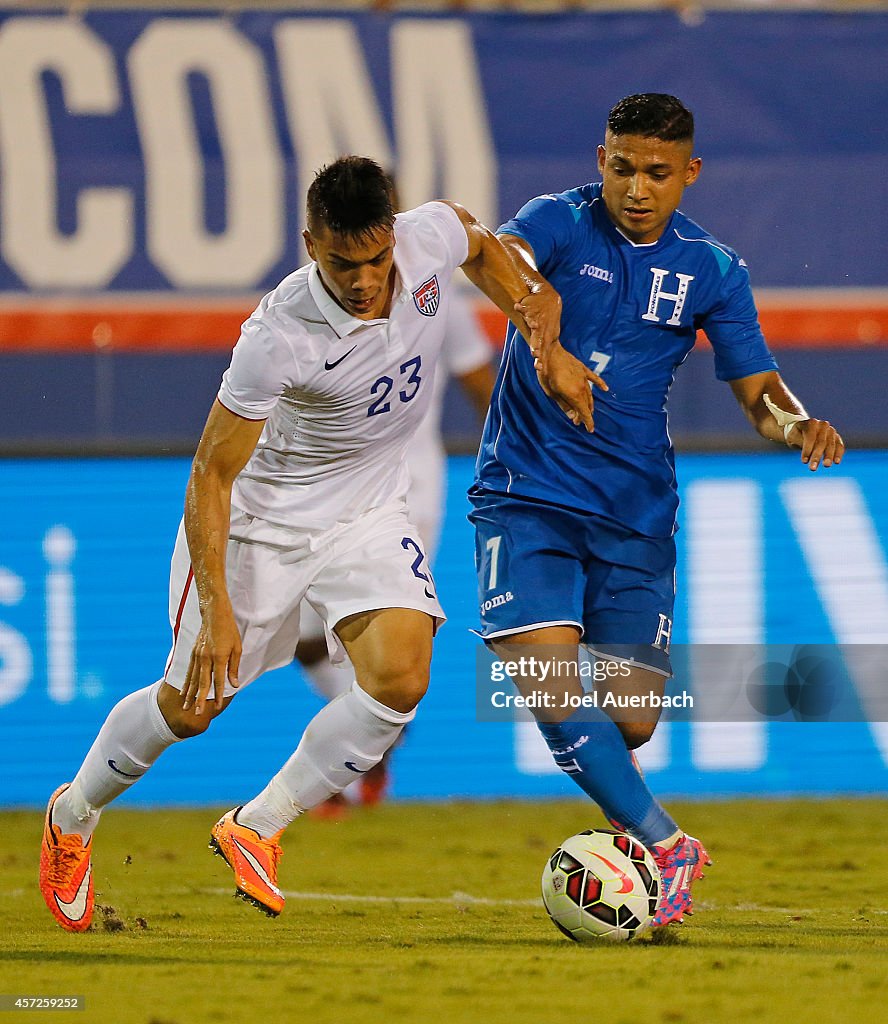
(544,565)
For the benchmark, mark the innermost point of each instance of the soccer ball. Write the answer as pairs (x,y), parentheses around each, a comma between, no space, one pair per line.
(601,884)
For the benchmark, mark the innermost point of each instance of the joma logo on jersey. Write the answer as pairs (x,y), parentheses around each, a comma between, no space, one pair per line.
(428,297)
(677,298)
(497,602)
(597,272)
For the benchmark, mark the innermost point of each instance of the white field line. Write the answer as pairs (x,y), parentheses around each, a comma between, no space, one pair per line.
(463,899)
(460,899)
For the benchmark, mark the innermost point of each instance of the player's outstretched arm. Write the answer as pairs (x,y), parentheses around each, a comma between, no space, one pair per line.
(225,446)
(510,279)
(779,416)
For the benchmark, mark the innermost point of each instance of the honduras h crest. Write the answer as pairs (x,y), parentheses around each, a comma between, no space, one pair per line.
(428,297)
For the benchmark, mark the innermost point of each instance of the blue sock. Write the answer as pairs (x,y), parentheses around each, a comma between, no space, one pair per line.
(590,748)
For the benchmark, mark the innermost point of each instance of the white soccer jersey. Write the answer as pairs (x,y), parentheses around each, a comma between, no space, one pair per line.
(466,348)
(343,397)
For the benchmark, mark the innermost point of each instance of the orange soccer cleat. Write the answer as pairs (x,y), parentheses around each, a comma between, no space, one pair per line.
(253,860)
(66,873)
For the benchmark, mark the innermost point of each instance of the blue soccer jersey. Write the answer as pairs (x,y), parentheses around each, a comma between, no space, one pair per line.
(631,312)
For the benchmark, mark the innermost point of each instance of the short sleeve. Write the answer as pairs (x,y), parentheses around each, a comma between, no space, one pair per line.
(257,377)
(448,228)
(733,329)
(547,224)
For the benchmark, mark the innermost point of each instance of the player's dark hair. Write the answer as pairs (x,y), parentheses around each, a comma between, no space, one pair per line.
(655,115)
(351,197)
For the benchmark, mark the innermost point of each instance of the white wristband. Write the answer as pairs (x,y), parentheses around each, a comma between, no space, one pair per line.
(785,419)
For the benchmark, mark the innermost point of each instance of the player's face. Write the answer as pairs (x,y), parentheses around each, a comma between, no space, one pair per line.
(357,272)
(643,182)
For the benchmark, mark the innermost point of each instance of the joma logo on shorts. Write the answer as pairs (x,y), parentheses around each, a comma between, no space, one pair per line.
(596,272)
(498,601)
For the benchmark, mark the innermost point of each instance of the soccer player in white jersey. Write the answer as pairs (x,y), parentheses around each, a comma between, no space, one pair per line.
(466,357)
(297,490)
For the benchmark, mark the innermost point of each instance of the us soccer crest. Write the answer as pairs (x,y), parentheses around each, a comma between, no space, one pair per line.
(428,297)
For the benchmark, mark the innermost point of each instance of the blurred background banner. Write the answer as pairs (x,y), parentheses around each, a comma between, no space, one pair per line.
(768,554)
(154,165)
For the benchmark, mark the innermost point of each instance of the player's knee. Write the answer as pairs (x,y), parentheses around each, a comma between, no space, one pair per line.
(636,734)
(400,684)
(185,724)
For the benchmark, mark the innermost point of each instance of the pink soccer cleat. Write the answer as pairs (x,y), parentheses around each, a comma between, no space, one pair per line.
(680,866)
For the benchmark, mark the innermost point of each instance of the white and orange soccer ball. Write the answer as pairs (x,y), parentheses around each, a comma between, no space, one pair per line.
(601,884)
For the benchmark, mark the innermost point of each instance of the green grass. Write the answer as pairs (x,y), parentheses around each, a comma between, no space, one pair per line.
(791,925)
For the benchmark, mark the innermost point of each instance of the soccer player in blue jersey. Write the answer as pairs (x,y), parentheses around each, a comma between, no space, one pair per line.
(575,528)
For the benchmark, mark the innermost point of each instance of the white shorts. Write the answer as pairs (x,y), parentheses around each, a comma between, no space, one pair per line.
(425,503)
(425,497)
(376,562)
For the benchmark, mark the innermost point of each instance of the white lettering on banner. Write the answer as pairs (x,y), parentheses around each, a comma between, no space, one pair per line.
(59,547)
(726,606)
(657,293)
(32,244)
(849,570)
(441,126)
(329,97)
(160,62)
(16,659)
(444,144)
(15,655)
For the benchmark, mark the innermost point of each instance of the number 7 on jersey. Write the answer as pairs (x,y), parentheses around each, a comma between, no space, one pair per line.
(493,546)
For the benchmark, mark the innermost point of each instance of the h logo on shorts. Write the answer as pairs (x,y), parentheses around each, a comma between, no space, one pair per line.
(664,634)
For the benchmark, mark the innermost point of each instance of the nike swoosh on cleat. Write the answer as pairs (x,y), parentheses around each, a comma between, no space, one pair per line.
(126,775)
(257,867)
(351,767)
(331,366)
(76,908)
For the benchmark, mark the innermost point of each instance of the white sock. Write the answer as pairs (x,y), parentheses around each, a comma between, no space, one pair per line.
(329,680)
(134,735)
(355,729)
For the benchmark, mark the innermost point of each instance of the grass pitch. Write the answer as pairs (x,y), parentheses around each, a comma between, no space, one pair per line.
(428,913)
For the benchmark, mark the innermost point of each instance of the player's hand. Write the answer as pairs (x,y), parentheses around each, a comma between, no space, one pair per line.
(821,443)
(569,381)
(215,658)
(541,309)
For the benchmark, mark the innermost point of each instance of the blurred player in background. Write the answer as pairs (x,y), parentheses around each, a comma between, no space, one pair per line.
(466,356)
(298,490)
(575,529)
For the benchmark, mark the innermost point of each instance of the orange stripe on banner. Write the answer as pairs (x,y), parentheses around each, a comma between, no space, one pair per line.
(154,328)
(855,324)
(846,318)
(824,328)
